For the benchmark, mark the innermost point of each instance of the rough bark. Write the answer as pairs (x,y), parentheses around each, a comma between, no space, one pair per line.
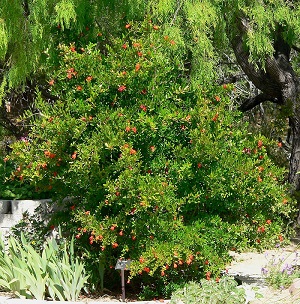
(278,83)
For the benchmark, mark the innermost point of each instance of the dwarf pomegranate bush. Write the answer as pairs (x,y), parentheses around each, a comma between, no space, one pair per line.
(159,170)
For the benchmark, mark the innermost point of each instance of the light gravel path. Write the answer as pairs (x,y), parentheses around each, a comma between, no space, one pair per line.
(247,267)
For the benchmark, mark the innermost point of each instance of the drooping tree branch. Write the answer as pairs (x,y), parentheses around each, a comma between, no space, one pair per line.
(252,102)
(257,76)
(296,48)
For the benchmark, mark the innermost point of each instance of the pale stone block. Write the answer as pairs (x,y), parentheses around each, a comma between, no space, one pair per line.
(295,287)
(9,220)
(21,206)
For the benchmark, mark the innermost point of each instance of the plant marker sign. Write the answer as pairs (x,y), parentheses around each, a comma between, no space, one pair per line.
(123,265)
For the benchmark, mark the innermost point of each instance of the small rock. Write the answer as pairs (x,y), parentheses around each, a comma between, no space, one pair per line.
(295,287)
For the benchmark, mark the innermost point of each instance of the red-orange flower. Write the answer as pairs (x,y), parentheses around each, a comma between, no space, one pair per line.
(215,117)
(91,238)
(142,260)
(268,222)
(155,27)
(137,67)
(99,237)
(132,151)
(146,269)
(71,72)
(122,88)
(115,245)
(143,107)
(128,26)
(51,82)
(74,155)
(89,78)
(79,88)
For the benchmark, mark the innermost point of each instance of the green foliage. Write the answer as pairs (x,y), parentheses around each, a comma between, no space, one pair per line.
(4,40)
(225,291)
(12,185)
(158,169)
(38,27)
(55,272)
(65,13)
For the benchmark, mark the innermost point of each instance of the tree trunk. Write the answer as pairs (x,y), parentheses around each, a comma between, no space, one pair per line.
(278,83)
(294,172)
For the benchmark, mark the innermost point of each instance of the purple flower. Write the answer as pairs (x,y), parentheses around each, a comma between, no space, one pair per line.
(264,271)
